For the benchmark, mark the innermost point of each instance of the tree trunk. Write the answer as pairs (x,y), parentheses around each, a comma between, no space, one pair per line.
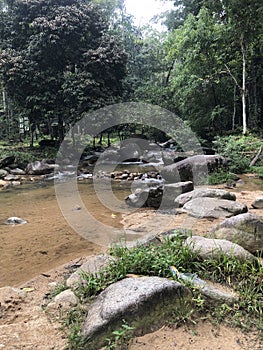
(234,108)
(243,90)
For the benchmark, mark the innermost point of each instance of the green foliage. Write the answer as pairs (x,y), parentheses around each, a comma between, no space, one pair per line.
(240,149)
(57,63)
(220,176)
(258,170)
(120,338)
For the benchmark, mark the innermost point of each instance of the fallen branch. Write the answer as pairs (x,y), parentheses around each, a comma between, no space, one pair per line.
(255,159)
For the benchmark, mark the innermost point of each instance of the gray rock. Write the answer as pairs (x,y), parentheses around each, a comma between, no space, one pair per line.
(171,191)
(147,197)
(193,168)
(67,297)
(3,173)
(258,203)
(161,196)
(130,153)
(204,192)
(63,301)
(244,229)
(40,168)
(17,171)
(15,221)
(143,302)
(213,293)
(93,266)
(151,156)
(209,248)
(11,177)
(213,208)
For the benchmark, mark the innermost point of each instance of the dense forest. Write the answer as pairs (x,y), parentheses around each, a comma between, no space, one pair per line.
(62,58)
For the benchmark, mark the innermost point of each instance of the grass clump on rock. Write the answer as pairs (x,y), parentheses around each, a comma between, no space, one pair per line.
(243,277)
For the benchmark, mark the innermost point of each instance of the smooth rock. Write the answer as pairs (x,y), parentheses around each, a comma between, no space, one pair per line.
(17,171)
(258,203)
(193,168)
(209,248)
(67,297)
(63,301)
(144,303)
(213,208)
(92,266)
(11,177)
(244,229)
(214,293)
(14,220)
(130,153)
(171,191)
(203,192)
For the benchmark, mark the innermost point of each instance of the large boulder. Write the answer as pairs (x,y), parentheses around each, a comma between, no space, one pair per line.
(208,248)
(193,168)
(213,208)
(160,196)
(144,303)
(130,152)
(204,192)
(244,229)
(146,197)
(171,191)
(40,168)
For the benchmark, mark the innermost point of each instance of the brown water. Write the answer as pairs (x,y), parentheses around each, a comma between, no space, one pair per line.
(47,240)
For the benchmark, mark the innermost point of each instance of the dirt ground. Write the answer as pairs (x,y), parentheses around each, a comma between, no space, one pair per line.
(25,325)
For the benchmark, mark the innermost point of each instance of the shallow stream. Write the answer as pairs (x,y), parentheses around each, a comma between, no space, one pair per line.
(47,240)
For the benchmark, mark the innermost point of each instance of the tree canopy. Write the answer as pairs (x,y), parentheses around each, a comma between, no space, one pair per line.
(61,58)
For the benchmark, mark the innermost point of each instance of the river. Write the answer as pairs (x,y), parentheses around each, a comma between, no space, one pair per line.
(47,240)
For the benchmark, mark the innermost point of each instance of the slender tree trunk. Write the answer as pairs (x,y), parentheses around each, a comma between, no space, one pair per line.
(243,90)
(234,108)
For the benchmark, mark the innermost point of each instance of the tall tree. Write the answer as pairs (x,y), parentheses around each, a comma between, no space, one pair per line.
(58,59)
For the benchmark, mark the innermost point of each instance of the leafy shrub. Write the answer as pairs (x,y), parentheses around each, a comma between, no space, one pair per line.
(240,149)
